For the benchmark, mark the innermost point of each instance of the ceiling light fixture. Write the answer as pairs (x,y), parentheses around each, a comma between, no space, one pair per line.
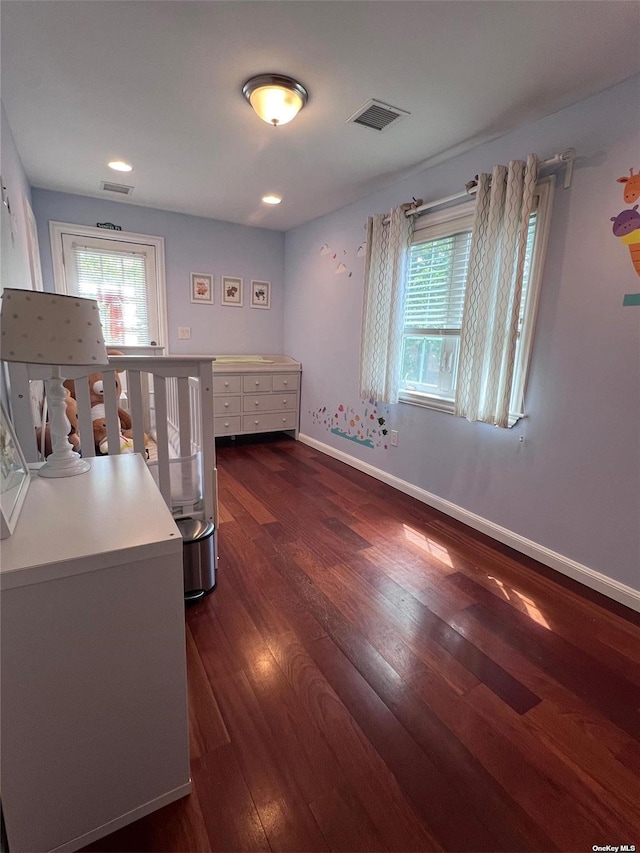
(271,199)
(275,98)
(120,166)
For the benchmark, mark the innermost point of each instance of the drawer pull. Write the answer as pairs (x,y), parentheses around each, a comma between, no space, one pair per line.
(226,405)
(256,422)
(284,381)
(284,402)
(284,420)
(227,423)
(257,381)
(226,384)
(256,402)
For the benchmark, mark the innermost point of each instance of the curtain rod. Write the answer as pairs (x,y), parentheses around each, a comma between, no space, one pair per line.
(565,158)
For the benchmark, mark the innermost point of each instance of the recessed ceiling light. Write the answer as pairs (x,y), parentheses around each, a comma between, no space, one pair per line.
(271,199)
(120,166)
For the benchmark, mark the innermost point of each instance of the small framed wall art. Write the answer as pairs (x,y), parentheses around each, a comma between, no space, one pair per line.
(260,294)
(14,477)
(232,290)
(202,287)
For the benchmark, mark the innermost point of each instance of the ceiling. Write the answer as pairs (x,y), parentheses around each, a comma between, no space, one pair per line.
(158,83)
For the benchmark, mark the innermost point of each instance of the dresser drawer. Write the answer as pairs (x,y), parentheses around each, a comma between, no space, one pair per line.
(269,421)
(256,382)
(285,381)
(227,384)
(269,402)
(227,405)
(227,426)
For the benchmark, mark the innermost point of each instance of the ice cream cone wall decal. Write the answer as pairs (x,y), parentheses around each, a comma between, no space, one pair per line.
(626,227)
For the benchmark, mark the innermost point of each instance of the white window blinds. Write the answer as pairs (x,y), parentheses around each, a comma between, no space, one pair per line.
(118,282)
(436,283)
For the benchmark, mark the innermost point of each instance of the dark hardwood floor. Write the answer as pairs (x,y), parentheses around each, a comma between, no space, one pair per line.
(371,675)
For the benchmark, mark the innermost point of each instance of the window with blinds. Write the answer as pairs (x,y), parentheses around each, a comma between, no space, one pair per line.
(434,305)
(118,281)
(122,276)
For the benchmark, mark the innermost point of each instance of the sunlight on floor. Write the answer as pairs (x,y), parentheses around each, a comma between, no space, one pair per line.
(429,545)
(529,604)
(266,666)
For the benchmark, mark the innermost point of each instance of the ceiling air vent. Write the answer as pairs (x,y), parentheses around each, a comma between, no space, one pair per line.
(377,115)
(122,189)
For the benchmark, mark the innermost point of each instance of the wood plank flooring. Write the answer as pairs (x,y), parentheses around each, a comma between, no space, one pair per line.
(371,675)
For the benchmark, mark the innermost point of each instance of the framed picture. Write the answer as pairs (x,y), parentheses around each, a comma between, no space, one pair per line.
(14,476)
(231,290)
(260,294)
(201,287)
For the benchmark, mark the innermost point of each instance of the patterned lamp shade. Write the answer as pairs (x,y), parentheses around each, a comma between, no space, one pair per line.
(45,328)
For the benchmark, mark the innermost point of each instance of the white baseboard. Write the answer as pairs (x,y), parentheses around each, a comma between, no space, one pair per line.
(583,574)
(124,820)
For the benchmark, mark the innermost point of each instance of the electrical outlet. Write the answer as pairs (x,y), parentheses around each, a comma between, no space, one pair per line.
(394,437)
(184,333)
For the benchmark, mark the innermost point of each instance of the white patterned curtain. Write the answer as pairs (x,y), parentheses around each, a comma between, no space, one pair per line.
(382,316)
(494,287)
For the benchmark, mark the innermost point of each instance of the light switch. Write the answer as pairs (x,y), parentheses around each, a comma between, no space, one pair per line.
(184,333)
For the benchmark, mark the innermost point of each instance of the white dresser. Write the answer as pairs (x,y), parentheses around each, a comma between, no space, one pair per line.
(94,702)
(256,396)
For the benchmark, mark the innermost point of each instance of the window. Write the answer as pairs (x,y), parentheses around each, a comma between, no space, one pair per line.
(436,282)
(122,271)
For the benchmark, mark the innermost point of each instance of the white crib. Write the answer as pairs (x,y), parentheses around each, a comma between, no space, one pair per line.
(169,398)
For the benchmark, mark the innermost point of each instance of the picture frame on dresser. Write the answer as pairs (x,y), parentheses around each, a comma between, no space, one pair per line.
(14,476)
(260,294)
(232,291)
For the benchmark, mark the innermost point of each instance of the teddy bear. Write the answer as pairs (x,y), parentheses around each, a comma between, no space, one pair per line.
(96,398)
(74,434)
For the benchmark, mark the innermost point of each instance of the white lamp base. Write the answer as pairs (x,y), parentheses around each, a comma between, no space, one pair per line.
(56,467)
(64,461)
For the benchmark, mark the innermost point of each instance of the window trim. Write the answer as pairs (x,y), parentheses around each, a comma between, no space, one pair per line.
(58,229)
(439,224)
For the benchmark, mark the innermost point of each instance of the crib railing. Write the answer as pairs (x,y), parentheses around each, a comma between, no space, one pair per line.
(172,396)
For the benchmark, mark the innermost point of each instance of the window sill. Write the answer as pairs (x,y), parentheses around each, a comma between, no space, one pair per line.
(447,406)
(426,402)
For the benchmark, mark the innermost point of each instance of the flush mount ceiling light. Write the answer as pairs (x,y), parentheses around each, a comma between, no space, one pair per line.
(120,166)
(275,98)
(271,199)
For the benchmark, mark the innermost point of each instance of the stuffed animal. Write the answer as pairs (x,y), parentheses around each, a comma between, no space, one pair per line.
(73,436)
(96,398)
(99,423)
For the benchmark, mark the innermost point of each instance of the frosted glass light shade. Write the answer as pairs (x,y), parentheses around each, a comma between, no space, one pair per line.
(47,328)
(275,98)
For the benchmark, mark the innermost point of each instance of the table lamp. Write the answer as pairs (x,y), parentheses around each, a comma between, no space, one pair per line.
(46,328)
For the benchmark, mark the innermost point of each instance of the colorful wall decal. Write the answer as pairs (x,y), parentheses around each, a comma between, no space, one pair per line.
(626,226)
(631,299)
(363,423)
(341,255)
(632,188)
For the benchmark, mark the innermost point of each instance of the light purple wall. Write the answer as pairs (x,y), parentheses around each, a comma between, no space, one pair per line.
(573,485)
(15,268)
(192,244)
